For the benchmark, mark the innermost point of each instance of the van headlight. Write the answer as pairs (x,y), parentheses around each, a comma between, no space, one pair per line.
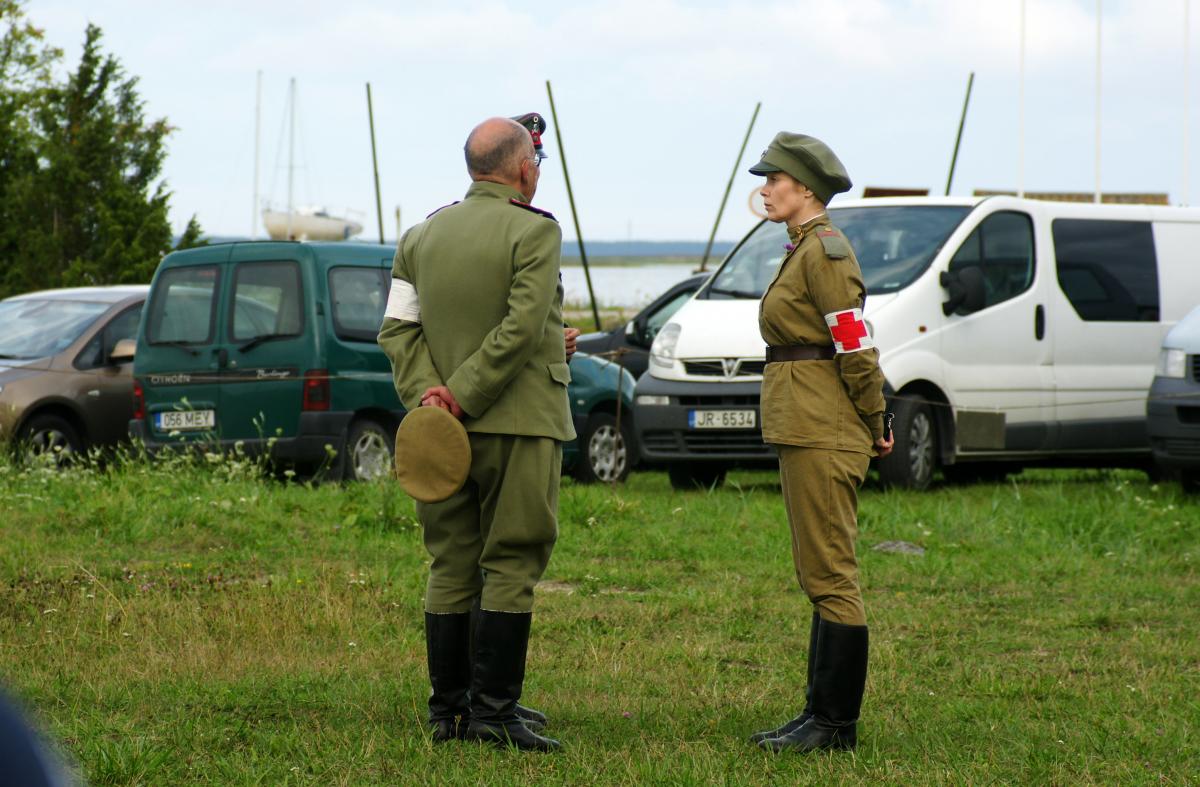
(662,352)
(1171,363)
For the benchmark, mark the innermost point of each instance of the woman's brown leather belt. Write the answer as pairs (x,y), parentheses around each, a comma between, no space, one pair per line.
(798,352)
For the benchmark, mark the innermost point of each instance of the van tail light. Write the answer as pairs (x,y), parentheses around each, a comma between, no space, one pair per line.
(316,390)
(139,401)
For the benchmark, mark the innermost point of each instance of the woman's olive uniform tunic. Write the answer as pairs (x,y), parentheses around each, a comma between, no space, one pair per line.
(823,416)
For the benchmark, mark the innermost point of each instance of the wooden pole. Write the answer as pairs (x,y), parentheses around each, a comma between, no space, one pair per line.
(958,139)
(725,197)
(562,154)
(375,164)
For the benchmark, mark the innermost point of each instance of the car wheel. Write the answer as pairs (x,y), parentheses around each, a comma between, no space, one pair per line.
(51,435)
(914,456)
(690,477)
(1191,481)
(605,451)
(368,455)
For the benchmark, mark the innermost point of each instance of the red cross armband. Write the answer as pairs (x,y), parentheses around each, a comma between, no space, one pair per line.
(849,331)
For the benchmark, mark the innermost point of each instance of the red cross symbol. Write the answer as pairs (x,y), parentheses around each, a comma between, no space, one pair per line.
(848,330)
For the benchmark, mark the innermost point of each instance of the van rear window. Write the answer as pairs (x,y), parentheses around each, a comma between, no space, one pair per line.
(359,298)
(181,306)
(1107,269)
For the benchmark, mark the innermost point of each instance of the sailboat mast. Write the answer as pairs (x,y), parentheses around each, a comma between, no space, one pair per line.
(291,150)
(257,137)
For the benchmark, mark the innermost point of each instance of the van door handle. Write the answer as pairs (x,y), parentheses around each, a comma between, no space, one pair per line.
(1039,322)
(222,357)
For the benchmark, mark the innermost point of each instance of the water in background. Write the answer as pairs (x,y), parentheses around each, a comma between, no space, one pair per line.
(624,285)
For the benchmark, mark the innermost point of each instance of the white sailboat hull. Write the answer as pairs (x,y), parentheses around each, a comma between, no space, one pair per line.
(308,226)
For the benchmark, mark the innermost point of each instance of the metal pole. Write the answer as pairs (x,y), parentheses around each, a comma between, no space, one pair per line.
(375,164)
(397,225)
(712,235)
(257,136)
(1021,113)
(291,151)
(562,154)
(1097,197)
(1187,27)
(958,139)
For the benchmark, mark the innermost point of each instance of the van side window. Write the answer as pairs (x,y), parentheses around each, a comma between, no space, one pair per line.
(359,298)
(181,306)
(266,300)
(1002,246)
(1107,269)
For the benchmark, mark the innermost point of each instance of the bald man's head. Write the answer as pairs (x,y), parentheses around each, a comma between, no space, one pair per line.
(496,148)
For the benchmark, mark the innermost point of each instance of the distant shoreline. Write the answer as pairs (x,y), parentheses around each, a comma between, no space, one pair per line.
(632,261)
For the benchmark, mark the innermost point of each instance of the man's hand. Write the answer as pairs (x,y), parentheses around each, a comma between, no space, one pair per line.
(440,396)
(569,337)
(883,446)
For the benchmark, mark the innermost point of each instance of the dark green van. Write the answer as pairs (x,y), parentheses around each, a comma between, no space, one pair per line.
(270,345)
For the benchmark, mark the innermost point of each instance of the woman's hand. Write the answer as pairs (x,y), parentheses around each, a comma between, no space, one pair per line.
(883,446)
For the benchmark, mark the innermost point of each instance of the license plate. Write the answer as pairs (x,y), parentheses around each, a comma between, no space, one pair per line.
(185,420)
(722,419)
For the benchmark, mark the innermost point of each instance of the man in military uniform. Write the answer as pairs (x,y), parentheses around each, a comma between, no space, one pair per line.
(474,325)
(822,409)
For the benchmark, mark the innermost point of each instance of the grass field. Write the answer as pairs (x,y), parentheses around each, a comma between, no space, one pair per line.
(193,624)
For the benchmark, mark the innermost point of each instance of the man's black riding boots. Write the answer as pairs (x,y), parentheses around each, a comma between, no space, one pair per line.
(839,677)
(534,719)
(448,650)
(501,641)
(803,717)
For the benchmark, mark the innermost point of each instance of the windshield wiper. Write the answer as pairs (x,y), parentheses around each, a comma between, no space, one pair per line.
(754,296)
(257,340)
(182,345)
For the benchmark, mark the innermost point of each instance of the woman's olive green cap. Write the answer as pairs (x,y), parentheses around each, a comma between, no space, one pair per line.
(433,454)
(808,160)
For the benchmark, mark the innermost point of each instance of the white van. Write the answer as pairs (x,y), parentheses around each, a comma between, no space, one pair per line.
(1010,331)
(1173,409)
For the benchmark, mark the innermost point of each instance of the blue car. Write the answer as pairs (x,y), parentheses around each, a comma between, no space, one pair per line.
(602,406)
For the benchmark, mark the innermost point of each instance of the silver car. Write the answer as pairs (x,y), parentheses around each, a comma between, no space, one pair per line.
(61,389)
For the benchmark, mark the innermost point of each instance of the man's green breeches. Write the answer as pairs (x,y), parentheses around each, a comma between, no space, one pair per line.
(493,539)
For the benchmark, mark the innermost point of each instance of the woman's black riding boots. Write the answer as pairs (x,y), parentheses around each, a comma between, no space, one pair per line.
(838,677)
(501,641)
(448,650)
(803,717)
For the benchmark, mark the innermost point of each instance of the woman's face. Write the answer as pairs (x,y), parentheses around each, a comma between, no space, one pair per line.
(785,198)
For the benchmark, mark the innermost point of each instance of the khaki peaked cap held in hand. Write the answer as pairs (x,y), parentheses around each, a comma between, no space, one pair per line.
(433,454)
(808,160)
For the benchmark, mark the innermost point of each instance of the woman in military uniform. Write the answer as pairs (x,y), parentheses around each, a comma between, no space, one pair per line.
(822,409)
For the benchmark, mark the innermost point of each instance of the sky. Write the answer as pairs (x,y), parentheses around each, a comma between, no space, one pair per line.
(653,98)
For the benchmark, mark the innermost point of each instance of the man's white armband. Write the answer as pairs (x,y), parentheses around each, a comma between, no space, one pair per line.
(402,302)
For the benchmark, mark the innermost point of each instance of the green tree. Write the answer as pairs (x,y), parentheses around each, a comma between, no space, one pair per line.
(192,236)
(91,208)
(25,76)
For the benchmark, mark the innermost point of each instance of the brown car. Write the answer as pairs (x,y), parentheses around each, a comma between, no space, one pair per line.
(61,390)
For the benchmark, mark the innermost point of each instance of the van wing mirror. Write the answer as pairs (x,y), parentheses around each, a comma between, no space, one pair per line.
(966,291)
(635,332)
(123,351)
